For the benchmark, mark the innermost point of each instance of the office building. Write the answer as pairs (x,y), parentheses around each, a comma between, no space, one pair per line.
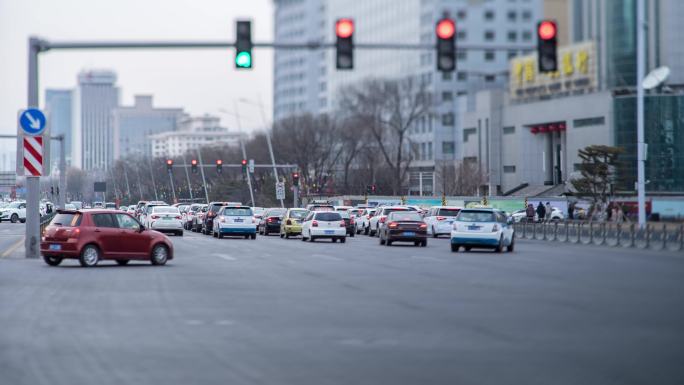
(191,134)
(308,82)
(133,126)
(59,106)
(95,97)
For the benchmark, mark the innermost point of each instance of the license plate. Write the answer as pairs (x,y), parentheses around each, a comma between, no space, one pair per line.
(238,220)
(409,234)
(329,231)
(56,247)
(473,227)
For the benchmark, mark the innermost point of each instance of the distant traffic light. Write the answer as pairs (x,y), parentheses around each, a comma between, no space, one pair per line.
(193,166)
(368,189)
(244,166)
(344,46)
(446,45)
(219,166)
(547,43)
(295,179)
(169,165)
(243,44)
(373,189)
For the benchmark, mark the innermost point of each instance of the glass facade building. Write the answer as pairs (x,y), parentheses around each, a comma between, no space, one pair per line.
(664,134)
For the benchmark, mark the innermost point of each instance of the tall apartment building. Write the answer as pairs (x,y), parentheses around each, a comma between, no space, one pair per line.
(133,126)
(94,100)
(59,106)
(307,81)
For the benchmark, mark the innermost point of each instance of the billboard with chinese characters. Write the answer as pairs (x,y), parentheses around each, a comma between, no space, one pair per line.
(577,73)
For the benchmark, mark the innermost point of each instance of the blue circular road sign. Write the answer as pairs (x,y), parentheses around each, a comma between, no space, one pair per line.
(32,121)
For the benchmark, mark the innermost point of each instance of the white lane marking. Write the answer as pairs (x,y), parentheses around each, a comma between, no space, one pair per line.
(225,256)
(324,256)
(427,257)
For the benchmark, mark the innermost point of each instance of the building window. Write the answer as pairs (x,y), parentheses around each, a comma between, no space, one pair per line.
(490,78)
(447,96)
(423,151)
(509,169)
(512,15)
(490,55)
(446,75)
(489,35)
(448,148)
(509,130)
(467,132)
(462,75)
(448,119)
(512,36)
(429,151)
(527,35)
(461,34)
(527,15)
(461,14)
(598,121)
(489,15)
(512,54)
(461,55)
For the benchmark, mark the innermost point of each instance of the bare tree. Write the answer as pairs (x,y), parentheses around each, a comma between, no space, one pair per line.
(460,177)
(388,109)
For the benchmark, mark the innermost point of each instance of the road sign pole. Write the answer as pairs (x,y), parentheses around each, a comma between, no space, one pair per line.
(204,181)
(187,176)
(295,196)
(32,239)
(156,197)
(62,172)
(641,70)
(173,189)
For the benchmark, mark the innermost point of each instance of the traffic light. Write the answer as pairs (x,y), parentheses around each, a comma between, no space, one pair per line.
(368,189)
(243,44)
(372,189)
(169,165)
(219,166)
(193,166)
(244,166)
(446,45)
(547,43)
(344,30)
(295,179)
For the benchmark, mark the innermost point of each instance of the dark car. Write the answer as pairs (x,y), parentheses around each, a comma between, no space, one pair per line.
(94,235)
(348,223)
(212,212)
(270,222)
(403,226)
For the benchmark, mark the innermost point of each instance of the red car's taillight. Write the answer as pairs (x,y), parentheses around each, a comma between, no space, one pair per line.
(383,219)
(314,224)
(392,225)
(441,218)
(368,216)
(351,221)
(178,217)
(271,219)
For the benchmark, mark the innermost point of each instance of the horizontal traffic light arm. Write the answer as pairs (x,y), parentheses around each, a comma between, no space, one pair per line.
(45,45)
(238,165)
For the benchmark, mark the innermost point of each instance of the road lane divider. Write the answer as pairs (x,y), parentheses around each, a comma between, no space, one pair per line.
(12,248)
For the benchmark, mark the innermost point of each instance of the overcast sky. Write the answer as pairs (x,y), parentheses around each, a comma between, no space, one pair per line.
(201,81)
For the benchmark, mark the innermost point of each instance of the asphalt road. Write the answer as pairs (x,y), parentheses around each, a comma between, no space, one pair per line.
(275,311)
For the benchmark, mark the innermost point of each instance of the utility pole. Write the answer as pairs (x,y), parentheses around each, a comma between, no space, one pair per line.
(173,189)
(128,186)
(204,181)
(156,197)
(641,146)
(244,154)
(137,173)
(295,196)
(32,238)
(187,176)
(62,172)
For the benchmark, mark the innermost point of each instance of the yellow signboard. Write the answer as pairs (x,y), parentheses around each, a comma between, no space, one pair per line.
(577,73)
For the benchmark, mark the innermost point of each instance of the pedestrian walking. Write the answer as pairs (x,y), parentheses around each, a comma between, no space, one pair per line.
(541,212)
(548,211)
(529,212)
(571,211)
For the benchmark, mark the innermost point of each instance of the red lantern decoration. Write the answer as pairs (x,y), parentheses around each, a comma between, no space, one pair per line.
(553,128)
(534,130)
(543,129)
(561,127)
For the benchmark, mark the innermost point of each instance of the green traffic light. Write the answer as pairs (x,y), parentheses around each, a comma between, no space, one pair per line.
(243,60)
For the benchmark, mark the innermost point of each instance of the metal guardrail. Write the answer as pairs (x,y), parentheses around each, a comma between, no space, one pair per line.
(45,220)
(666,236)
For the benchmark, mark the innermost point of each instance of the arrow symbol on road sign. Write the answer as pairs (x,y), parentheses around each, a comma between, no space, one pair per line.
(35,123)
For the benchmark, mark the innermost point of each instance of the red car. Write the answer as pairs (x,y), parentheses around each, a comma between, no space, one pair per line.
(94,235)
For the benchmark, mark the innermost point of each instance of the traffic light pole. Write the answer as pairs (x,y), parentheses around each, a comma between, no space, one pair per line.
(295,196)
(32,238)
(244,154)
(641,146)
(187,177)
(204,181)
(149,162)
(173,189)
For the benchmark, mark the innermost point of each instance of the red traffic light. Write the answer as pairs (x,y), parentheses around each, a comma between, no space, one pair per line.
(344,28)
(219,161)
(295,175)
(445,29)
(244,162)
(194,162)
(169,162)
(547,30)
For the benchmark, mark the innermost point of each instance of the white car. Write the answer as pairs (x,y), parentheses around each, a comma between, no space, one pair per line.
(14,212)
(235,220)
(363,220)
(381,217)
(440,220)
(343,208)
(482,228)
(324,224)
(147,210)
(258,212)
(521,215)
(131,210)
(70,207)
(165,219)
